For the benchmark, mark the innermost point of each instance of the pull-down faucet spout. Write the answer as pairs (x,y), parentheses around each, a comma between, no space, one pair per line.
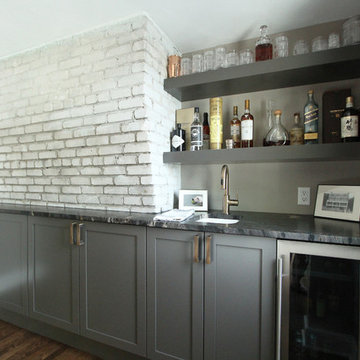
(227,202)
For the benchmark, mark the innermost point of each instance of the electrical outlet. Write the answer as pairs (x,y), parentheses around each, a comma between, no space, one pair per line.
(303,196)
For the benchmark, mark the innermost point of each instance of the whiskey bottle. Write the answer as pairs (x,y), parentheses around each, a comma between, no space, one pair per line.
(206,132)
(177,139)
(297,132)
(311,120)
(350,122)
(235,128)
(247,127)
(196,132)
(263,49)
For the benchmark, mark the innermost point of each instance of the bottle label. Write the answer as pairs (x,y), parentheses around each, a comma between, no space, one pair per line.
(296,136)
(349,126)
(196,135)
(247,130)
(235,130)
(176,141)
(311,120)
(311,136)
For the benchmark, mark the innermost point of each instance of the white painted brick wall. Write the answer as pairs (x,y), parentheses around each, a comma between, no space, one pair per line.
(84,121)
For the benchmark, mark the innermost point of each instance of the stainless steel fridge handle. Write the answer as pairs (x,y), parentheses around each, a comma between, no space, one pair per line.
(278,307)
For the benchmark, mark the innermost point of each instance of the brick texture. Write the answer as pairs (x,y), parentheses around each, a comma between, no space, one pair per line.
(84,121)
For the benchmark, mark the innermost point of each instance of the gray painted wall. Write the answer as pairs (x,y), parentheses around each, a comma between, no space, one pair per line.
(271,187)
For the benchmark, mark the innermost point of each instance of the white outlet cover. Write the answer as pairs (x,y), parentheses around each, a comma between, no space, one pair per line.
(303,196)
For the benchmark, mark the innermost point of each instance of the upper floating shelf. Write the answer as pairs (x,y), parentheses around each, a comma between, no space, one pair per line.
(267,154)
(323,66)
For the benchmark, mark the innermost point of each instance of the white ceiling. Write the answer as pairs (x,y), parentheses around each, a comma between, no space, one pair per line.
(190,24)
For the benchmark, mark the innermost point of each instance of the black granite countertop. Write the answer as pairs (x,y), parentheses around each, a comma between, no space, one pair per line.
(281,226)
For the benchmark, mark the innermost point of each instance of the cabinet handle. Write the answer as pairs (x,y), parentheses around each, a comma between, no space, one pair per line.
(208,249)
(196,248)
(78,234)
(72,233)
(278,307)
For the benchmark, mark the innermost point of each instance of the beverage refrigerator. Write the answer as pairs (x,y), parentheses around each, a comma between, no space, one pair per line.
(317,301)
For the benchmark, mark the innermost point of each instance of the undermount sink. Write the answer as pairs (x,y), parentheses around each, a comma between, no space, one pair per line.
(218,221)
(220,218)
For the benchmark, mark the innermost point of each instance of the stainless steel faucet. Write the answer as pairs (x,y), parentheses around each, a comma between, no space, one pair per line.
(227,202)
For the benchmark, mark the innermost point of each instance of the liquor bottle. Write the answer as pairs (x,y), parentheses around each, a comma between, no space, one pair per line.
(206,132)
(247,127)
(350,122)
(235,128)
(297,132)
(270,105)
(177,139)
(311,120)
(278,135)
(263,49)
(196,132)
(216,123)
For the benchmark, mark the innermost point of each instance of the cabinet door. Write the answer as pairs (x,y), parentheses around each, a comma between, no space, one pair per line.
(174,295)
(53,273)
(239,297)
(13,263)
(113,289)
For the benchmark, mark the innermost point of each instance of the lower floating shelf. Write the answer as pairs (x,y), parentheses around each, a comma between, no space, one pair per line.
(295,153)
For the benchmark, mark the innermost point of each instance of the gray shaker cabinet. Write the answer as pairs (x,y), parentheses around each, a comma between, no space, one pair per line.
(53,273)
(112,282)
(239,297)
(232,285)
(13,263)
(174,295)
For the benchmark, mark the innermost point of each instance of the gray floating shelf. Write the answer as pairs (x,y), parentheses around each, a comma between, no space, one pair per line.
(299,153)
(322,66)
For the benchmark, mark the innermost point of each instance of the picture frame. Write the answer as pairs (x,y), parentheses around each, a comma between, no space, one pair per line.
(193,200)
(338,202)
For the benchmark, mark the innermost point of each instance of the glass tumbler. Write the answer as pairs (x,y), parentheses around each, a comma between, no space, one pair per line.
(197,63)
(219,57)
(351,31)
(301,47)
(319,44)
(246,57)
(185,66)
(209,60)
(334,41)
(231,59)
(281,46)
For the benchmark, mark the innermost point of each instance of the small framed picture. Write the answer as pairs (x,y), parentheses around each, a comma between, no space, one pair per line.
(193,200)
(338,202)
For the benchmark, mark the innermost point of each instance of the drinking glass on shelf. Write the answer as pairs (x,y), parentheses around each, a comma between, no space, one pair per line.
(334,41)
(319,44)
(185,66)
(246,57)
(281,46)
(219,57)
(232,59)
(197,63)
(351,31)
(209,60)
(301,47)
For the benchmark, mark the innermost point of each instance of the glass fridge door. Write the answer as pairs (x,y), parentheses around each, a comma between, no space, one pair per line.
(320,297)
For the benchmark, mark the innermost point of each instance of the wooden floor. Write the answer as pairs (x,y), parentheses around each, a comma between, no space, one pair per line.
(16,344)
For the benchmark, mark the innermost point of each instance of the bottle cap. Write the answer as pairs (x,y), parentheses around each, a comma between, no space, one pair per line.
(247,104)
(196,110)
(277,112)
(349,99)
(310,91)
(235,110)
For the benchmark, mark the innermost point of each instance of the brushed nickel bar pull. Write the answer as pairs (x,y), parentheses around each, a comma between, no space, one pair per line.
(278,307)
(72,233)
(78,234)
(208,249)
(196,248)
